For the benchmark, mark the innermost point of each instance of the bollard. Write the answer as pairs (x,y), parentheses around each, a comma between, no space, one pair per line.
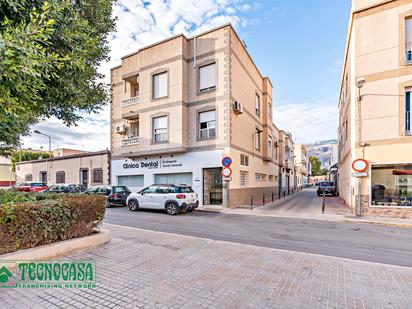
(251,202)
(263,199)
(323,203)
(273,196)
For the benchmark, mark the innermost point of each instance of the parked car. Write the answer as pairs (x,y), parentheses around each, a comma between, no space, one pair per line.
(174,199)
(30,186)
(65,188)
(116,195)
(328,187)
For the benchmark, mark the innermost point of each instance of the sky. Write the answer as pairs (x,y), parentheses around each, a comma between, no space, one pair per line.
(299,44)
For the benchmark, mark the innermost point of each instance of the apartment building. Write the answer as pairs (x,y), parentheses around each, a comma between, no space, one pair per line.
(7,175)
(374,108)
(301,166)
(183,104)
(68,166)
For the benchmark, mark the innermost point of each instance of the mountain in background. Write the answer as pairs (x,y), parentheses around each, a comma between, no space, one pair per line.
(325,151)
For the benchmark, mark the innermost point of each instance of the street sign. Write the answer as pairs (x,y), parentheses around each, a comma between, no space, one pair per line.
(359,174)
(360,165)
(227,161)
(226,172)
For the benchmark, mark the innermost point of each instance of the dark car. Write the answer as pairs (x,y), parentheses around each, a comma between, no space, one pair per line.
(327,187)
(29,186)
(116,195)
(65,188)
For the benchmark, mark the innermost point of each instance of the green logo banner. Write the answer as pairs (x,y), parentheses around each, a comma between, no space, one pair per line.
(48,274)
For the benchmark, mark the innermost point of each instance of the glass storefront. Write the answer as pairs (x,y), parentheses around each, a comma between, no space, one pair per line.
(212,186)
(392,185)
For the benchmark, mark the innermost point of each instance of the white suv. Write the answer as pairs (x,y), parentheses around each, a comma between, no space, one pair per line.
(173,199)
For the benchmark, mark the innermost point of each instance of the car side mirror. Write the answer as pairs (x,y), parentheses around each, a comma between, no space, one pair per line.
(142,193)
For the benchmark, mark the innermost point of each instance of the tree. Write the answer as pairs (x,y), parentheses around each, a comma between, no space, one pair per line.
(315,165)
(49,56)
(26,155)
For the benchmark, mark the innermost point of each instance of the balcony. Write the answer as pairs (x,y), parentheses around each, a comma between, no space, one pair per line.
(131,101)
(288,164)
(130,141)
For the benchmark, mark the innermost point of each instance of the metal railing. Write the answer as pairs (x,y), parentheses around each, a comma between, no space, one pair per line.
(132,100)
(130,141)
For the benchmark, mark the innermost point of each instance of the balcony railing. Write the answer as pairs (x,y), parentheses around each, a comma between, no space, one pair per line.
(130,141)
(131,101)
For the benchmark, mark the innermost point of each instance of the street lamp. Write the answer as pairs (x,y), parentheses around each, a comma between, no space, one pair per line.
(47,159)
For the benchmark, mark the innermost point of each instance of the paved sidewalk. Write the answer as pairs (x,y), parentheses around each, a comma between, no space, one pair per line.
(306,205)
(145,269)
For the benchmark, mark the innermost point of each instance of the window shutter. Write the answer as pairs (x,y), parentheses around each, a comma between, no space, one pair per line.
(160,122)
(207,78)
(408,34)
(207,116)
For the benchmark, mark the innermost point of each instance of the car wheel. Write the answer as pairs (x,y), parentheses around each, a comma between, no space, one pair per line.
(108,205)
(133,205)
(171,209)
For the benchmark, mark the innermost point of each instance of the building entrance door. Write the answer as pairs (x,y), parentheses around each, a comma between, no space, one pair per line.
(212,186)
(287,184)
(84,177)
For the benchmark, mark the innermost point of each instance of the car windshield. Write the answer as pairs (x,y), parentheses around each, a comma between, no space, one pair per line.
(55,188)
(327,184)
(37,184)
(92,189)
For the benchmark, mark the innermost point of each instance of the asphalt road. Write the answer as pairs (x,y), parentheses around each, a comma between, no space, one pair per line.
(365,242)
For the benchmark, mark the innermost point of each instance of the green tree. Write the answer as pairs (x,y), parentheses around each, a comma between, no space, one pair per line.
(315,165)
(50,53)
(26,155)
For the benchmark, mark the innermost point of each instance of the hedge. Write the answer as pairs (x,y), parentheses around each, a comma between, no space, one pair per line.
(28,220)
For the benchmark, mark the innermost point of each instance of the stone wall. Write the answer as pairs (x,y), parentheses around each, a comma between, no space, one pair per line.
(383,211)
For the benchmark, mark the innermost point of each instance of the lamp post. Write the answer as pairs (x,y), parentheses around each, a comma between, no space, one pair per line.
(47,159)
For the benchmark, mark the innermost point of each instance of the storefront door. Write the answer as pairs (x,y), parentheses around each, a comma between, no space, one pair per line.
(212,186)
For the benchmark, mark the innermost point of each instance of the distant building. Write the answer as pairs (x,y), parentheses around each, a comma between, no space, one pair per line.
(301,166)
(68,166)
(375,108)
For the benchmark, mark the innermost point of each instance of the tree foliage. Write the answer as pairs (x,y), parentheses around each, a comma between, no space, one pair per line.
(27,155)
(49,58)
(315,165)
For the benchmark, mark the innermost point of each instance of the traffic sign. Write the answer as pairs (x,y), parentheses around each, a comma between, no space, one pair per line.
(226,172)
(227,161)
(360,165)
(359,174)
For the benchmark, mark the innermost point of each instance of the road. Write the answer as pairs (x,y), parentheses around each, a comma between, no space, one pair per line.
(373,243)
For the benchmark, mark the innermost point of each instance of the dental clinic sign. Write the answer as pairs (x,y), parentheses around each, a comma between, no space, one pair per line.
(152,164)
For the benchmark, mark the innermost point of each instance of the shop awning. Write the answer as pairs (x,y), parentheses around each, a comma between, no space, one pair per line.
(402,172)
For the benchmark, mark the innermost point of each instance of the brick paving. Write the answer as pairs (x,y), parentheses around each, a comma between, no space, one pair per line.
(145,269)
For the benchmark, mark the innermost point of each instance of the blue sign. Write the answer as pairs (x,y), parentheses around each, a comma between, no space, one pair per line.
(227,161)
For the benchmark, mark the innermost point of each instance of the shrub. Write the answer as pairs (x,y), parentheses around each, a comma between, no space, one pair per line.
(28,220)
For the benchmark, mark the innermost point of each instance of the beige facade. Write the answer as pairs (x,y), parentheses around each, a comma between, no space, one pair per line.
(181,105)
(7,176)
(301,165)
(87,168)
(374,108)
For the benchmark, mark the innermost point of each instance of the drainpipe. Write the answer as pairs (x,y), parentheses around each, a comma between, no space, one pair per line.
(194,52)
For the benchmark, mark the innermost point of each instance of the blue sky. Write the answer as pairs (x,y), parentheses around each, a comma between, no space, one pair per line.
(299,44)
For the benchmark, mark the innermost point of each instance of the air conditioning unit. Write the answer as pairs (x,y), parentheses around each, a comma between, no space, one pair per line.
(237,108)
(121,129)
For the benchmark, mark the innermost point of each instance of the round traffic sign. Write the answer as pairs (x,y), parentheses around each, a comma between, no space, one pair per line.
(226,172)
(227,161)
(360,165)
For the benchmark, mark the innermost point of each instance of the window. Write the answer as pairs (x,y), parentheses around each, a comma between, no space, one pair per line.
(260,177)
(134,130)
(207,78)
(160,129)
(160,85)
(244,178)
(270,145)
(28,177)
(408,40)
(257,105)
(244,160)
(133,181)
(151,189)
(207,124)
(60,177)
(97,175)
(270,110)
(408,113)
(392,185)
(257,139)
(271,178)
(43,177)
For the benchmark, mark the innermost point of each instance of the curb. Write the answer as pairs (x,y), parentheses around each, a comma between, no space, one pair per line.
(61,248)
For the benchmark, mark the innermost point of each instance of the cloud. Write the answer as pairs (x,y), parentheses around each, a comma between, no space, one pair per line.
(308,121)
(139,23)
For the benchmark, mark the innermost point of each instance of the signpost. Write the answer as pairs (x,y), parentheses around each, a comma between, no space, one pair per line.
(360,166)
